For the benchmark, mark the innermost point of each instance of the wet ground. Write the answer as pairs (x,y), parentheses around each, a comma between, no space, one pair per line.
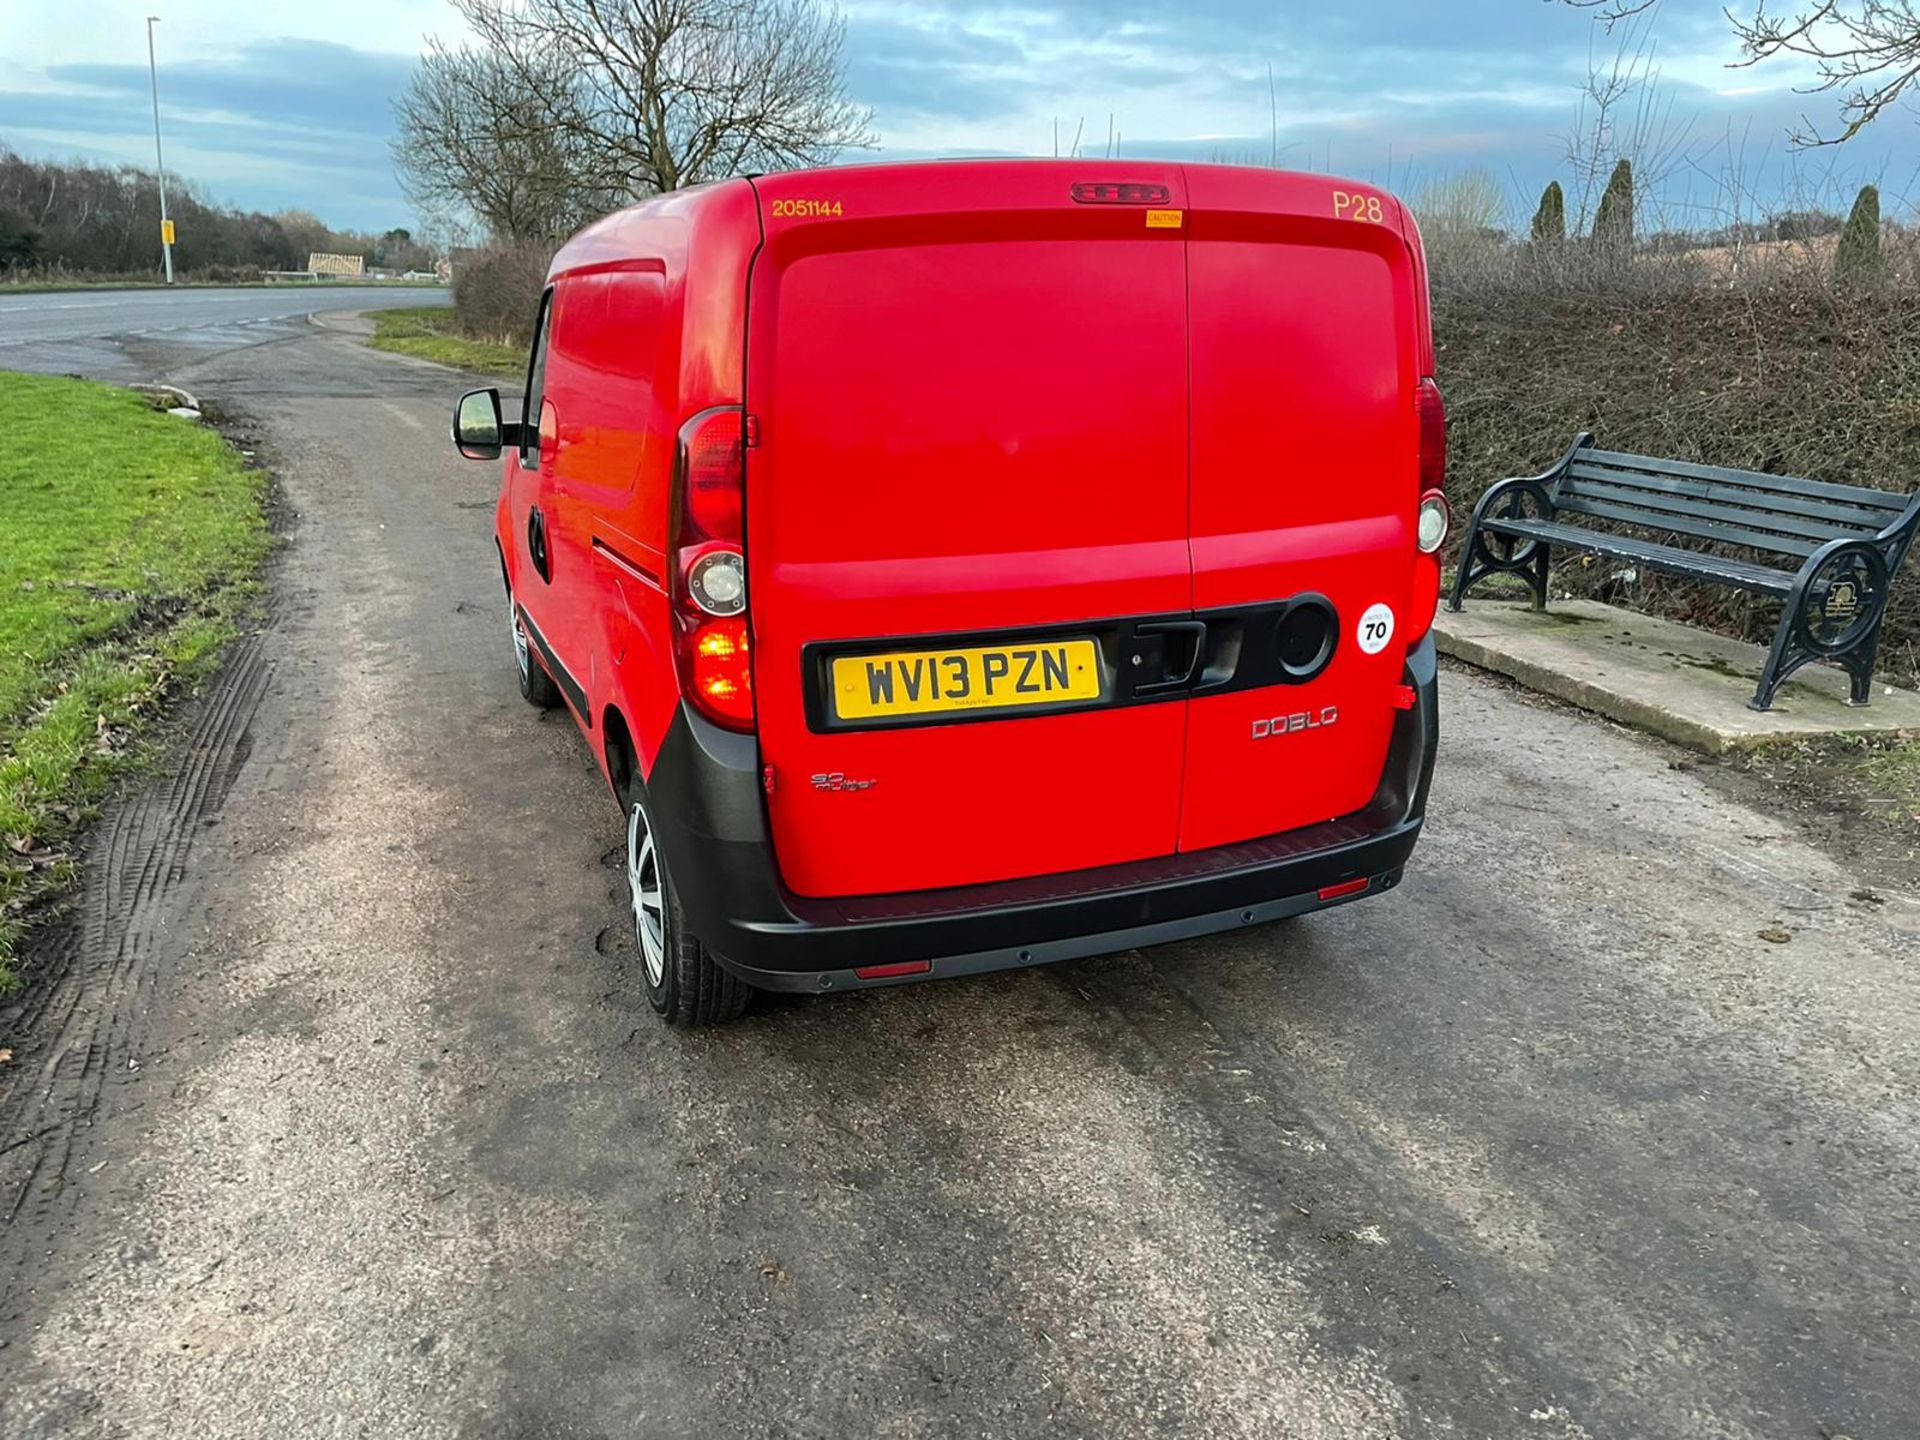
(343,1112)
(128,334)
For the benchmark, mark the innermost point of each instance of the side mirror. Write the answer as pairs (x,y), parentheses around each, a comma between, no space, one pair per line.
(478,431)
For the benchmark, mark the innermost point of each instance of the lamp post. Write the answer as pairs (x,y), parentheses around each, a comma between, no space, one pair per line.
(159,161)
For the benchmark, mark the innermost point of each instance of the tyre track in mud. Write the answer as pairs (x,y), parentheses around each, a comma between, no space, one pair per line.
(81,1025)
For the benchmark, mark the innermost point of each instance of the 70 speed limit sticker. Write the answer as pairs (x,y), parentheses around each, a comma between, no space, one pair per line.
(1375,629)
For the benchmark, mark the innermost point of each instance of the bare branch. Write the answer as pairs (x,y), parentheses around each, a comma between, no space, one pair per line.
(1866,50)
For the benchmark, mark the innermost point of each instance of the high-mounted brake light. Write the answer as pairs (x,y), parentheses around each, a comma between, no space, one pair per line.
(1119,192)
(1432,410)
(712,644)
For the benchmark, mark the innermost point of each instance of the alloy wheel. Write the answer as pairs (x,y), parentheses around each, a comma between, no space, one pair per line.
(520,655)
(649,900)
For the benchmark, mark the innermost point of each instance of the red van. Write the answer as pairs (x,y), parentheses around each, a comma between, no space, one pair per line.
(961,565)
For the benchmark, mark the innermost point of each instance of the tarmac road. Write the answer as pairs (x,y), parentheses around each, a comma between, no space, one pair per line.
(77,329)
(348,1118)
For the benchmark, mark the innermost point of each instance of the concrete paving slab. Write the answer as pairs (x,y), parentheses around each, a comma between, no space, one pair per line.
(1670,679)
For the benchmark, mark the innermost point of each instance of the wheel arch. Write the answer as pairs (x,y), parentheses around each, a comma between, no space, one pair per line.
(620,757)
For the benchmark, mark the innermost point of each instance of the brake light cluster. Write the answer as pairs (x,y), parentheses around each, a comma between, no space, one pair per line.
(1435,517)
(712,644)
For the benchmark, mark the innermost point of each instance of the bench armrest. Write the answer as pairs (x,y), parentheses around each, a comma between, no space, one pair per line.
(1897,536)
(1545,483)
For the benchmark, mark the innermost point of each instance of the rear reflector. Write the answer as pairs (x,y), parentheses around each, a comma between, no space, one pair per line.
(894,971)
(1345,887)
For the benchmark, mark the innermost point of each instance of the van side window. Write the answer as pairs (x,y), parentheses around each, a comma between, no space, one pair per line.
(536,379)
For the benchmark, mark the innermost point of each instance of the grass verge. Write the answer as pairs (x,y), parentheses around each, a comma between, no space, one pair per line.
(129,543)
(1859,795)
(429,333)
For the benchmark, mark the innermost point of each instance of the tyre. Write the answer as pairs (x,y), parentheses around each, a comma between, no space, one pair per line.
(684,983)
(536,686)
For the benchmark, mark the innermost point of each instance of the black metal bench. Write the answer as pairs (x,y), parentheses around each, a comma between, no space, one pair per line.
(1843,544)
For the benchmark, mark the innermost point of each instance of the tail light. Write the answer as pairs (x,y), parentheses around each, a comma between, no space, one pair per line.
(1434,516)
(1433,435)
(711,642)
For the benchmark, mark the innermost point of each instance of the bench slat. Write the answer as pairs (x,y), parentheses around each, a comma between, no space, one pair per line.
(1868,519)
(1661,503)
(1753,479)
(1680,525)
(1737,573)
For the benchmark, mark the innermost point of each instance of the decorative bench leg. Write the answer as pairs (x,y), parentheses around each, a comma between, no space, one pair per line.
(1859,662)
(1781,661)
(1790,652)
(1468,573)
(1478,561)
(1833,612)
(1483,555)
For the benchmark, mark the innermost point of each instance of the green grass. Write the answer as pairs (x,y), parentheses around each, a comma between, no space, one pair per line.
(1896,772)
(128,545)
(429,333)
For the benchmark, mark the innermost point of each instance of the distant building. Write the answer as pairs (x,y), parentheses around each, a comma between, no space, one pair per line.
(319,264)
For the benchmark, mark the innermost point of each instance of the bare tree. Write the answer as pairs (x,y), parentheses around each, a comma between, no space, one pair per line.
(1867,49)
(653,95)
(473,138)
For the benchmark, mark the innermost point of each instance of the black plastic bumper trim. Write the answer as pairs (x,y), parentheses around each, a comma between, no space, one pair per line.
(1077,947)
(708,813)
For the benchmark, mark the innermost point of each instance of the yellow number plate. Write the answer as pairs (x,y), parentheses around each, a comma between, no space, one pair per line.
(987,677)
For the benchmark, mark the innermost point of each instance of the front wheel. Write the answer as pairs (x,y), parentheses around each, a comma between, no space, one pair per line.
(684,983)
(536,686)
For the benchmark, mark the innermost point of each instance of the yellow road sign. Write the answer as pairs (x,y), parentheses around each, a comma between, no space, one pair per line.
(166,232)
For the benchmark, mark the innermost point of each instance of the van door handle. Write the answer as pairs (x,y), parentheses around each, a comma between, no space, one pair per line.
(1190,636)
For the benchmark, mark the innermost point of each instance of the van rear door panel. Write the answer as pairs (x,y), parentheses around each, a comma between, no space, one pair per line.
(972,403)
(1304,317)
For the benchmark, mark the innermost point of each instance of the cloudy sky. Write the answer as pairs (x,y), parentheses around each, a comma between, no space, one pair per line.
(270,105)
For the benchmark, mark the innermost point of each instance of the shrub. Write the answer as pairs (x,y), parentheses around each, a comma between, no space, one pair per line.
(496,290)
(1804,225)
(1550,220)
(19,239)
(1858,256)
(1613,224)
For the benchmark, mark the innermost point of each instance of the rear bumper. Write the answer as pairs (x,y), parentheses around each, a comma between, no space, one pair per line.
(705,801)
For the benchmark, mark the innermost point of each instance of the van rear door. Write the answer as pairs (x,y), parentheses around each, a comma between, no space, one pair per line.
(1305,310)
(971,399)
